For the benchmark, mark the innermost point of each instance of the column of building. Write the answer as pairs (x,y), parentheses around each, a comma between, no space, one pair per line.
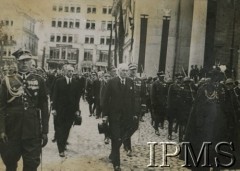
(197,46)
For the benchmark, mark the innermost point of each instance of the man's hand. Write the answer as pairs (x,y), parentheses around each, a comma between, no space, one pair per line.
(54,112)
(77,113)
(4,137)
(44,140)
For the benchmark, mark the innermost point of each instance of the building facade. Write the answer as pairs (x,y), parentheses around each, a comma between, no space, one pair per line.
(79,34)
(172,35)
(17,31)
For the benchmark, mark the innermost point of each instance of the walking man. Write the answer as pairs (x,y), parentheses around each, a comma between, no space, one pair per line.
(23,116)
(118,106)
(66,97)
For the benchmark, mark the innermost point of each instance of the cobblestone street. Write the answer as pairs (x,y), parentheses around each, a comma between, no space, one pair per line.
(87,151)
(86,145)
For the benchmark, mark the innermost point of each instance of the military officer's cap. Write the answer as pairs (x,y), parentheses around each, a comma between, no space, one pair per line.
(132,66)
(21,54)
(229,81)
(161,74)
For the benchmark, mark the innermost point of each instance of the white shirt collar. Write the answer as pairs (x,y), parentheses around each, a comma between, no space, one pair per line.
(122,79)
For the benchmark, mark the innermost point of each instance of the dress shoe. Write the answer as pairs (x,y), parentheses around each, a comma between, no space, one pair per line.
(54,140)
(129,153)
(157,133)
(117,168)
(62,154)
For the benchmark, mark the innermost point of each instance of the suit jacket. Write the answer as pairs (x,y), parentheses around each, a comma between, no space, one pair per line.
(118,101)
(66,97)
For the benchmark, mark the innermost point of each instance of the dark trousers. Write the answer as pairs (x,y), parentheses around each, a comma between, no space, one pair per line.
(159,115)
(127,144)
(116,131)
(62,132)
(29,150)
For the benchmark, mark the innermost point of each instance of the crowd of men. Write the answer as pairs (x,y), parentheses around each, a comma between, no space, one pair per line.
(200,108)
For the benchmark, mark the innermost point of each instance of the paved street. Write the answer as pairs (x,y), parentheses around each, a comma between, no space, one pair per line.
(87,150)
(86,144)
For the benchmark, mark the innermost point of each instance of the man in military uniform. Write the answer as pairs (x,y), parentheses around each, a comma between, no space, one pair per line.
(173,100)
(159,99)
(23,116)
(187,96)
(138,99)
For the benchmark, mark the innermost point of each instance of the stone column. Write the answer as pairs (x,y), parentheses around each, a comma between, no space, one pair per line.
(197,46)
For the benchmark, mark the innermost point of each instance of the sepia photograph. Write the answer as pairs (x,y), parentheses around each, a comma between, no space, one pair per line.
(119,85)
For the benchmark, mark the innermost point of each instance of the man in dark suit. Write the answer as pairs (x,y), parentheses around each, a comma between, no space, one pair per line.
(65,106)
(118,105)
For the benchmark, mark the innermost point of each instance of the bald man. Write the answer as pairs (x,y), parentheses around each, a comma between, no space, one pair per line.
(118,108)
(66,99)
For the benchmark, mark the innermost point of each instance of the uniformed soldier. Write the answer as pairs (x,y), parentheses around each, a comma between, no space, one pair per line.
(173,108)
(23,116)
(187,96)
(138,99)
(159,100)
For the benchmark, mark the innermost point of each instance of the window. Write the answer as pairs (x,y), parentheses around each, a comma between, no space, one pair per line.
(109,25)
(59,23)
(91,9)
(86,39)
(90,24)
(64,38)
(60,8)
(71,24)
(11,23)
(54,53)
(104,10)
(88,55)
(70,39)
(108,41)
(78,9)
(65,24)
(77,24)
(93,26)
(109,10)
(89,40)
(94,10)
(113,41)
(7,22)
(72,54)
(66,9)
(103,25)
(52,38)
(54,8)
(53,23)
(63,54)
(58,38)
(72,9)
(92,40)
(103,57)
(102,40)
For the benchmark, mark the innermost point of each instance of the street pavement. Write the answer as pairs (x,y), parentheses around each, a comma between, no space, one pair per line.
(86,142)
(87,152)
